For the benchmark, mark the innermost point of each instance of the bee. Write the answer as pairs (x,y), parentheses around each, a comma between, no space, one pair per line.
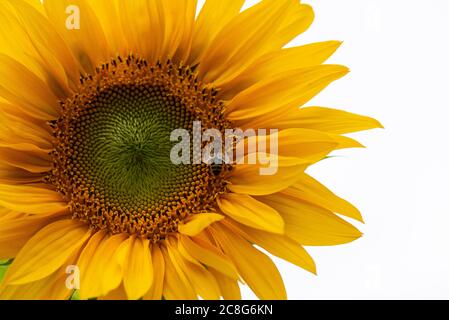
(216,164)
(216,169)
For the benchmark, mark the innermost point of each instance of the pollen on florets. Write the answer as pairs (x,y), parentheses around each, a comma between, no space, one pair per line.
(111,157)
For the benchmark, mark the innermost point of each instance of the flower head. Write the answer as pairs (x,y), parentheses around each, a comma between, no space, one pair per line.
(87,177)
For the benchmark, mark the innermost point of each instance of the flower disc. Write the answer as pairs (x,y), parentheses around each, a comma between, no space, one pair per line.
(112,155)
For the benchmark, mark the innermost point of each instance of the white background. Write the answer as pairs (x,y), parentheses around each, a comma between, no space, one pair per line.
(398,52)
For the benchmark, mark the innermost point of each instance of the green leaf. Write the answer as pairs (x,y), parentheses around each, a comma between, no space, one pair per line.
(4,264)
(3,269)
(75,295)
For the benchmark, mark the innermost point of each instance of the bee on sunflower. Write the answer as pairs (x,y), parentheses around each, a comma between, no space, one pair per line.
(85,174)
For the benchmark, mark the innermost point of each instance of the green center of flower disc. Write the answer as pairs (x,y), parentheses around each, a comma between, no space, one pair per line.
(112,148)
(123,145)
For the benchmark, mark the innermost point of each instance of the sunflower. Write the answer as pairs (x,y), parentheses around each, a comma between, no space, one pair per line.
(85,174)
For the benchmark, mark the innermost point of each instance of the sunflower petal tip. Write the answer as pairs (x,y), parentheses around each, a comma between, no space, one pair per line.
(342,71)
(380,125)
(337,43)
(376,124)
(312,269)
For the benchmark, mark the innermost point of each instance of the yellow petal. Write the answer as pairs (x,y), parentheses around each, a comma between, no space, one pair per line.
(175,286)
(214,15)
(33,200)
(59,65)
(229,288)
(11,175)
(88,270)
(15,113)
(324,119)
(19,128)
(346,142)
(80,41)
(33,161)
(184,24)
(27,291)
(25,147)
(16,231)
(37,290)
(145,19)
(4,212)
(198,223)
(280,246)
(22,87)
(208,255)
(278,62)
(28,144)
(138,269)
(105,274)
(247,178)
(311,225)
(155,292)
(258,271)
(166,24)
(299,18)
(118,294)
(47,251)
(52,287)
(14,36)
(277,94)
(250,212)
(306,144)
(58,290)
(37,4)
(202,282)
(242,40)
(112,272)
(310,190)
(178,265)
(109,17)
